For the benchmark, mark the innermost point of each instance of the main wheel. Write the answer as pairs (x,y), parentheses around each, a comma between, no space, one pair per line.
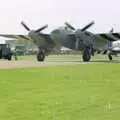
(86,55)
(110,56)
(40,56)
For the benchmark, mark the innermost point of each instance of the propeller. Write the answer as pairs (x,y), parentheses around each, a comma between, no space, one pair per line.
(83,29)
(38,30)
(25,26)
(87,26)
(111,31)
(42,28)
(69,26)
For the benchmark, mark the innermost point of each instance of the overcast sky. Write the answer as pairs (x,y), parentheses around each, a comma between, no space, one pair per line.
(35,13)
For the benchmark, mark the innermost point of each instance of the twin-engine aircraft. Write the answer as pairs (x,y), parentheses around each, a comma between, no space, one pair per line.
(76,39)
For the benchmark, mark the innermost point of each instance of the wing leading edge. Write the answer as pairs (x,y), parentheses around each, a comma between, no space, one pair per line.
(25,37)
(108,36)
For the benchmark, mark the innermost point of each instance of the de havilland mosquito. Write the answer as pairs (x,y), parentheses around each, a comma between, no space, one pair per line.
(76,39)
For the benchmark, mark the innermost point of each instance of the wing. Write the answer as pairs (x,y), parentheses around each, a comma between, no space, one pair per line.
(19,37)
(46,37)
(103,40)
(108,36)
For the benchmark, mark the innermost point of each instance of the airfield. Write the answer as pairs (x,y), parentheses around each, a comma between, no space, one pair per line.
(61,88)
(54,60)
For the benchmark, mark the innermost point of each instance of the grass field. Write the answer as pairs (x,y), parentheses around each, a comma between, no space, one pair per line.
(74,92)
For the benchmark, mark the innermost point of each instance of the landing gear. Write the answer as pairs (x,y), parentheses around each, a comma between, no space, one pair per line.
(40,55)
(86,55)
(110,56)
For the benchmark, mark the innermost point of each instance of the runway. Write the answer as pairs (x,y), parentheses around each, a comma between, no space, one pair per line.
(28,63)
(50,61)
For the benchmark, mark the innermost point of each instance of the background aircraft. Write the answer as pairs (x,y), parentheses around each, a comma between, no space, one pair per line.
(68,36)
(113,48)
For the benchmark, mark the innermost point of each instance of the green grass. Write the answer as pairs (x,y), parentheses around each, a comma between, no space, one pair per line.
(75,92)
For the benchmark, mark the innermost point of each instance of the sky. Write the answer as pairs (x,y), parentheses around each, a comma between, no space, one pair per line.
(36,13)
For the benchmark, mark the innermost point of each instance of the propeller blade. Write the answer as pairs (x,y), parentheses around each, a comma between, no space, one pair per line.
(25,26)
(111,31)
(42,28)
(69,26)
(87,26)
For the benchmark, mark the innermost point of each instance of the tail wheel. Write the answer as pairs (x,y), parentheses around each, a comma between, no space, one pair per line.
(110,56)
(86,55)
(40,56)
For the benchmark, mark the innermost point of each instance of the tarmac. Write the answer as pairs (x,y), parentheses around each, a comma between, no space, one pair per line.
(50,61)
(29,63)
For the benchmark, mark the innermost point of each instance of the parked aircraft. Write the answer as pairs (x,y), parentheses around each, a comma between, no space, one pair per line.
(68,36)
(113,48)
(87,42)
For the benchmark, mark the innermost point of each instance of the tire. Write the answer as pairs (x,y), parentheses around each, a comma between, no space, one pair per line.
(110,56)
(86,55)
(40,56)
